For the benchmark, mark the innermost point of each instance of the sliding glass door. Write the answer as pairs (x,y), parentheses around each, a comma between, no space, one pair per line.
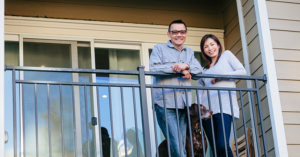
(119,57)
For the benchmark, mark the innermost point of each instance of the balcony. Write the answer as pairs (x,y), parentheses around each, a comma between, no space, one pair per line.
(90,118)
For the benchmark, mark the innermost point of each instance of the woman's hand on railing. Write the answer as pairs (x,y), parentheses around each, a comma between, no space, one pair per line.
(215,80)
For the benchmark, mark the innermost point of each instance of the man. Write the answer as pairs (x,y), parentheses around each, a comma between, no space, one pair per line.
(173,57)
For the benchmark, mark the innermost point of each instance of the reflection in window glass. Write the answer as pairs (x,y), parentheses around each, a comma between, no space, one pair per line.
(11,53)
(131,129)
(48,55)
(200,59)
(11,59)
(117,59)
(150,51)
(84,62)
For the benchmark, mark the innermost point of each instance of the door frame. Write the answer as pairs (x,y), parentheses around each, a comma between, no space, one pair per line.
(75,77)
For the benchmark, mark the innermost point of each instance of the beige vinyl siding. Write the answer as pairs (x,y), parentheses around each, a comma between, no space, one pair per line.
(256,69)
(284,23)
(232,39)
(293,150)
(156,12)
(293,99)
(106,31)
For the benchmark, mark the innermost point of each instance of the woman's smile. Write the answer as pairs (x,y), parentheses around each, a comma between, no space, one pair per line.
(211,48)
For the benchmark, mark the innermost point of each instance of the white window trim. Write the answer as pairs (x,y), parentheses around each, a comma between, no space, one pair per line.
(117,46)
(265,40)
(2,79)
(64,40)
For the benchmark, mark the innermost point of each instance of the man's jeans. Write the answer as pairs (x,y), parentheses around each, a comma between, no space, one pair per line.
(173,128)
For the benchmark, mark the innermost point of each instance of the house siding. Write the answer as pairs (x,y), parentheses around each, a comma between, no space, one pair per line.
(284,23)
(232,39)
(105,31)
(256,69)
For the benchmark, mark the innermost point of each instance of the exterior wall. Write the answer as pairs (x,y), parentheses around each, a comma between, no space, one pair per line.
(146,12)
(104,31)
(256,69)
(284,23)
(232,39)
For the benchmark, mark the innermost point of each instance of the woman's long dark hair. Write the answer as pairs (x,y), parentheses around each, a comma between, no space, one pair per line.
(205,57)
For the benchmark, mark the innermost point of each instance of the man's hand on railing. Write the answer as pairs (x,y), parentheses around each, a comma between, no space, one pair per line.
(179,67)
(187,74)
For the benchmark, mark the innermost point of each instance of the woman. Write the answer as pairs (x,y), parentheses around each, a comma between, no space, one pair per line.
(222,64)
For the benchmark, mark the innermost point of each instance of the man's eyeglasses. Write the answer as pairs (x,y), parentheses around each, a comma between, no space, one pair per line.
(182,32)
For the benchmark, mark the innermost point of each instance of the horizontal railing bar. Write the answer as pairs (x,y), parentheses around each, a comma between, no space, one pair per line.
(102,71)
(198,76)
(132,85)
(200,88)
(71,70)
(77,83)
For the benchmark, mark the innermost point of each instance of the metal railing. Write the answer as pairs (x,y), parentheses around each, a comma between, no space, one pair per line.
(142,86)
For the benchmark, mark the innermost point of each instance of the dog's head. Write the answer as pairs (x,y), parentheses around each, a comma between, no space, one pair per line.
(205,113)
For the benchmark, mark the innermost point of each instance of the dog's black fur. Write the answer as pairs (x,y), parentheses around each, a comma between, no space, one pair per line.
(196,133)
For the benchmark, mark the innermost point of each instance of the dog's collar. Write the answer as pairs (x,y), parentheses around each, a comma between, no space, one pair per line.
(196,131)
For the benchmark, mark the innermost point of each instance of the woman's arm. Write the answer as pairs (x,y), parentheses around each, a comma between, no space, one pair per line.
(236,65)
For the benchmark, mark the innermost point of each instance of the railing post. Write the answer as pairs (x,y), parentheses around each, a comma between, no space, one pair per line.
(145,117)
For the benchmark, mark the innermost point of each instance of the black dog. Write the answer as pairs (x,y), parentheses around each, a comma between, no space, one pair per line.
(196,133)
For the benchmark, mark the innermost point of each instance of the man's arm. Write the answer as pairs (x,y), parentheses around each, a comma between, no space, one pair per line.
(179,67)
(156,61)
(186,75)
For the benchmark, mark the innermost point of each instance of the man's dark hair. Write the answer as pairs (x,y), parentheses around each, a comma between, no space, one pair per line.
(176,21)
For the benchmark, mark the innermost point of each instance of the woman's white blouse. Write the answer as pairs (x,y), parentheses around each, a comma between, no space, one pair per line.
(230,65)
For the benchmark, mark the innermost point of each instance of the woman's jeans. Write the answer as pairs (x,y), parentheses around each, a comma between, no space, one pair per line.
(219,136)
(173,128)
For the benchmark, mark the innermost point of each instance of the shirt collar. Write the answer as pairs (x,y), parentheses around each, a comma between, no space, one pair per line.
(172,46)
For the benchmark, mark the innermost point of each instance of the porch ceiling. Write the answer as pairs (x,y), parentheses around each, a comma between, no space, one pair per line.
(196,13)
